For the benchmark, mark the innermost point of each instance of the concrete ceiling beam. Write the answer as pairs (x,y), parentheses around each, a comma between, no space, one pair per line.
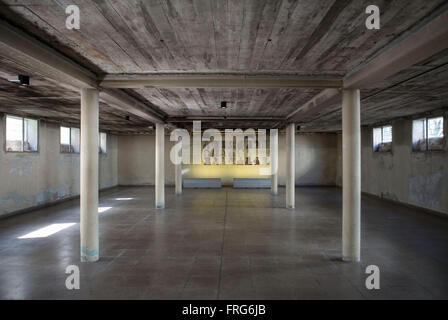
(43,60)
(218,80)
(421,43)
(317,104)
(222,118)
(424,41)
(122,101)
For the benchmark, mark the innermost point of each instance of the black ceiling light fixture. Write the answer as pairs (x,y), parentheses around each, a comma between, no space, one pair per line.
(223,104)
(21,79)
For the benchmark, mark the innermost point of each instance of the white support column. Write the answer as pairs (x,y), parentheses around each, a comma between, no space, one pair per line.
(290,165)
(178,175)
(160,165)
(89,174)
(273,146)
(351,178)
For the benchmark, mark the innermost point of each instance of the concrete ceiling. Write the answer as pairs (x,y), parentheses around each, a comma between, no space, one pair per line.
(320,38)
(414,91)
(49,100)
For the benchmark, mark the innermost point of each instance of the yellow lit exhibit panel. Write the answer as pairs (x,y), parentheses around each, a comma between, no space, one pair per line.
(225,171)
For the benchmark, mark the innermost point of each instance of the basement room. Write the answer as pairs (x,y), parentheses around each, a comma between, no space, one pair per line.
(223,150)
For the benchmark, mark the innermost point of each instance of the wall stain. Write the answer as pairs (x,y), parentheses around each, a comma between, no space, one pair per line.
(21,166)
(17,201)
(426,189)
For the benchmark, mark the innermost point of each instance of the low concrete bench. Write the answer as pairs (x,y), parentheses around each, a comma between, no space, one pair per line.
(251,183)
(203,183)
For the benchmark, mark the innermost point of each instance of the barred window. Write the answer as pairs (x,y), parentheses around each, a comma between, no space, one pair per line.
(22,134)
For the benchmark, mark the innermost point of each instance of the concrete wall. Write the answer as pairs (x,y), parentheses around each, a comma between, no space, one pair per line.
(415,178)
(316,155)
(33,179)
(136,160)
(339,161)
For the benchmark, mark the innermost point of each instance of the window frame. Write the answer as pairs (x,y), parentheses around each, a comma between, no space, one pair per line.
(381,127)
(70,142)
(23,134)
(426,138)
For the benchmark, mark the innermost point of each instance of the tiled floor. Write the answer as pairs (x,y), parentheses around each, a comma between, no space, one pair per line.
(226,244)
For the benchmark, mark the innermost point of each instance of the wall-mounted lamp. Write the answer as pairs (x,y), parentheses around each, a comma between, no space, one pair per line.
(223,104)
(20,79)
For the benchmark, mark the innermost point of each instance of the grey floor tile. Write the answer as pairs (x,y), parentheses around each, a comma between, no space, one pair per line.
(226,244)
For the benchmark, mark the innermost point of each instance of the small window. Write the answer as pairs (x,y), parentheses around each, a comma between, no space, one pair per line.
(70,140)
(435,128)
(22,134)
(382,139)
(75,138)
(102,142)
(427,134)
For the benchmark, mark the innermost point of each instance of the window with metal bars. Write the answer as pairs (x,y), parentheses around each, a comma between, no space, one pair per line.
(22,134)
(428,134)
(382,138)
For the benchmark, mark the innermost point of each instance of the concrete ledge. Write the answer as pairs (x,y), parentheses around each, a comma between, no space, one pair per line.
(49,204)
(408,205)
(203,183)
(251,183)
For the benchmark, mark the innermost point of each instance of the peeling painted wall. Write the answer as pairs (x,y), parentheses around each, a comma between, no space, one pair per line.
(32,179)
(416,178)
(316,155)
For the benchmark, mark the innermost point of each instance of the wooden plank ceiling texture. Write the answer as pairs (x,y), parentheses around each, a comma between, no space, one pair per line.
(309,37)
